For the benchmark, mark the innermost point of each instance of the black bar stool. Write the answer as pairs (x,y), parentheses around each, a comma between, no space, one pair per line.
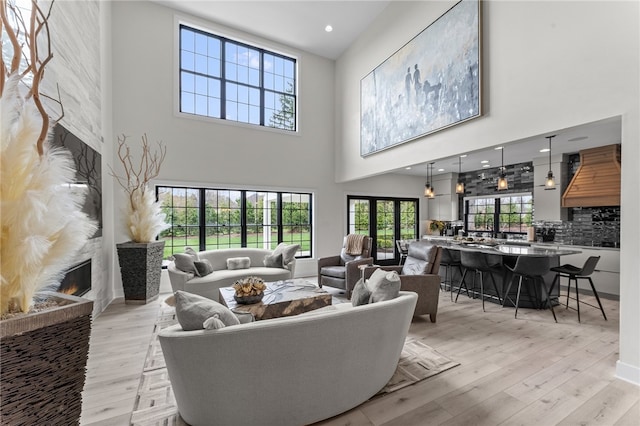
(450,259)
(532,268)
(479,263)
(574,273)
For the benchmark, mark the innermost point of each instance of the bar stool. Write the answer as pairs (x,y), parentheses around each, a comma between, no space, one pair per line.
(531,268)
(479,263)
(574,273)
(450,259)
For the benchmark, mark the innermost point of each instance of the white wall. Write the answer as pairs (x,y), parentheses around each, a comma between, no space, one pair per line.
(546,66)
(227,155)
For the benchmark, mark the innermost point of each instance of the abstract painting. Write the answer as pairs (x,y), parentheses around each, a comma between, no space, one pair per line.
(429,84)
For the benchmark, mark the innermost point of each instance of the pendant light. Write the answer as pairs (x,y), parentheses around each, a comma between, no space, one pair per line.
(433,191)
(459,184)
(550,183)
(502,180)
(427,186)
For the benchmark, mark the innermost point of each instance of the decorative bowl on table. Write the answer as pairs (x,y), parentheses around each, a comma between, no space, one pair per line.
(249,290)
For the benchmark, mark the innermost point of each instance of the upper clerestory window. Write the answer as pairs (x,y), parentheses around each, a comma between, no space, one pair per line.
(229,80)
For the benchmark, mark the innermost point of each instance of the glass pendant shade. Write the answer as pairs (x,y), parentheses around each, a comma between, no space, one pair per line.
(459,184)
(427,190)
(550,183)
(432,192)
(502,180)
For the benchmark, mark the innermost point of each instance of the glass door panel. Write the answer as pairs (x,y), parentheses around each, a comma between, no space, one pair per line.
(385,230)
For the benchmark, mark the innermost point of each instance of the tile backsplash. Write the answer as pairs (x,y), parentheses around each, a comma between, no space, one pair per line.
(588,226)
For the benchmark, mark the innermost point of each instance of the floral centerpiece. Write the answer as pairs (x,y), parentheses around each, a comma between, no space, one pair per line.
(249,290)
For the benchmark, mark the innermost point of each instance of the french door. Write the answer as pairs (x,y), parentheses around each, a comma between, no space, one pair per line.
(386,219)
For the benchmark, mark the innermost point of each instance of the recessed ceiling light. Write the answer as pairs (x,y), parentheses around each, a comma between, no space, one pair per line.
(486,165)
(484,161)
(441,170)
(328,28)
(408,168)
(579,138)
(463,155)
(498,148)
(545,150)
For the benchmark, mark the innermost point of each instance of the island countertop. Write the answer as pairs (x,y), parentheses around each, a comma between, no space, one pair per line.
(490,247)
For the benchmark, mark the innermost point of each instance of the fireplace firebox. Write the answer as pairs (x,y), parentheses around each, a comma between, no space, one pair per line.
(77,280)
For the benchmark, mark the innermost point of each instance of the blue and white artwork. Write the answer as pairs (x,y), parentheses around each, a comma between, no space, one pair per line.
(431,83)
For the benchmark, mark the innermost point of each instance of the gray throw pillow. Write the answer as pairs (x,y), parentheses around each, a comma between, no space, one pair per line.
(288,252)
(184,262)
(192,253)
(273,261)
(238,263)
(203,267)
(360,294)
(384,285)
(193,310)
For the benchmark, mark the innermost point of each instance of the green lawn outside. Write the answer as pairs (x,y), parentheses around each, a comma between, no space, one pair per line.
(253,240)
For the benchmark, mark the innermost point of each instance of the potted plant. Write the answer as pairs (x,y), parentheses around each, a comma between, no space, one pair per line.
(44,337)
(436,227)
(141,257)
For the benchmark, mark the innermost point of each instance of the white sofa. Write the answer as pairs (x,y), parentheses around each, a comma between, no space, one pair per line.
(287,371)
(209,285)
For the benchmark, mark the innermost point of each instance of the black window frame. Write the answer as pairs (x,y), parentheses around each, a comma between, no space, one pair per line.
(276,117)
(201,226)
(494,225)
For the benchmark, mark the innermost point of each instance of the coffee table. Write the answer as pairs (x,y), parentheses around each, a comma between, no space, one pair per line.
(281,299)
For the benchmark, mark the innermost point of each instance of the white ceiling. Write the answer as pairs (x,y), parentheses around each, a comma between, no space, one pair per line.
(301,23)
(298,23)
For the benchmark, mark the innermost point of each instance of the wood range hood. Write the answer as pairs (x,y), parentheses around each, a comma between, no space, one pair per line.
(597,180)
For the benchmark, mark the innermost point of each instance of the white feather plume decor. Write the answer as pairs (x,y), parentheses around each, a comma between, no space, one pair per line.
(144,217)
(43,226)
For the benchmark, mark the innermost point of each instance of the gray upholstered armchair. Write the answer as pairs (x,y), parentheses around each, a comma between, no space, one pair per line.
(342,271)
(419,274)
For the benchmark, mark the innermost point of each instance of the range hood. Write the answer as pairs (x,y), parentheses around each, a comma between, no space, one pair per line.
(597,180)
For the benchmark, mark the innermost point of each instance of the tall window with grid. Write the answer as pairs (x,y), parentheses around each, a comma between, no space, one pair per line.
(510,213)
(226,79)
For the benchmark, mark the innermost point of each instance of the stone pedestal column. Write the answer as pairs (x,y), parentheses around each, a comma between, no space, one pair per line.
(140,268)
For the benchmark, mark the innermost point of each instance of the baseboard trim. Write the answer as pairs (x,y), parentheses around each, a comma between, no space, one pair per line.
(628,373)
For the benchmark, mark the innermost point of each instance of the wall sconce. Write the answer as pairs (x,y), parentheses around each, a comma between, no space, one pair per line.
(502,180)
(459,184)
(550,183)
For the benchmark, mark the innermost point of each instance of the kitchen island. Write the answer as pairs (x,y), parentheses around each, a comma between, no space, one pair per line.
(507,254)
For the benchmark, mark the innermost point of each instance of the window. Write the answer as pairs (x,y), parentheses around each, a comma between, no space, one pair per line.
(229,80)
(210,219)
(385,220)
(511,213)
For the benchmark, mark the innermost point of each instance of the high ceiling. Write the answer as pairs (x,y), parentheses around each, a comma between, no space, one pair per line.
(301,24)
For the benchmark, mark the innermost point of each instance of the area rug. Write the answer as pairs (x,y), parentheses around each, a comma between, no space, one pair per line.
(156,405)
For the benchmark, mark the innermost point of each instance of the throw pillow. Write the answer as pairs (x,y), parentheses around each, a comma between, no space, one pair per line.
(192,253)
(184,262)
(193,310)
(360,294)
(384,285)
(288,252)
(238,263)
(273,261)
(203,267)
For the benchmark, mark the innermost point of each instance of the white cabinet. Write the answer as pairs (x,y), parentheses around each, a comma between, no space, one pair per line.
(444,206)
(547,203)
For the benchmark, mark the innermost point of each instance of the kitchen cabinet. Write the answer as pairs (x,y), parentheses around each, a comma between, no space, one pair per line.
(444,206)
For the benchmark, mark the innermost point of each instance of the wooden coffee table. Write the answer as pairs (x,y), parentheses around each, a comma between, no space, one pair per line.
(281,299)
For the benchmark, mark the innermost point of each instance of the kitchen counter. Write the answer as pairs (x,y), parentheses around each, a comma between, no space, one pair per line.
(553,244)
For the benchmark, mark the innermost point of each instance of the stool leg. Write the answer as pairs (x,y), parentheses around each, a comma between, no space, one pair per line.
(597,298)
(549,299)
(482,290)
(568,291)
(506,294)
(518,295)
(462,282)
(575,281)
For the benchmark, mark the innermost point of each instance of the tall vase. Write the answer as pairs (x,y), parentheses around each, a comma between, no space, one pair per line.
(43,356)
(140,268)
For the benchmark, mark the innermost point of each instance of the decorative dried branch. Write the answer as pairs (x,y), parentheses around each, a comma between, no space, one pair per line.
(13,24)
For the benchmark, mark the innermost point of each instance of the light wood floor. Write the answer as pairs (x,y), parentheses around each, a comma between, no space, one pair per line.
(524,371)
